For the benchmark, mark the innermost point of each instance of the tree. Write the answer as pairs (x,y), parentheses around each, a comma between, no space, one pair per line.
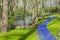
(36,18)
(0,14)
(4,16)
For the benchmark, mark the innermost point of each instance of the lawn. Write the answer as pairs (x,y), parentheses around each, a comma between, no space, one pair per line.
(19,35)
(54,26)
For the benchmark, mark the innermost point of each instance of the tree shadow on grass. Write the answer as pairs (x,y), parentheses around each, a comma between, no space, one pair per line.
(27,35)
(7,37)
(23,36)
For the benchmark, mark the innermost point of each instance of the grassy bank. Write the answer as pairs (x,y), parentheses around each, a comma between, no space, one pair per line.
(54,26)
(19,35)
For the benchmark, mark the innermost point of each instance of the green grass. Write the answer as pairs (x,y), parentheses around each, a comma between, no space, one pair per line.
(54,26)
(19,35)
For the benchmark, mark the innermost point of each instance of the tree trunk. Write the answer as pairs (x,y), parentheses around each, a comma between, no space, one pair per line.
(24,3)
(5,16)
(36,19)
(0,24)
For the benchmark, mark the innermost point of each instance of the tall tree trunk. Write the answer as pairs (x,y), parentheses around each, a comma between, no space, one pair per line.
(36,18)
(0,16)
(0,23)
(24,3)
(5,16)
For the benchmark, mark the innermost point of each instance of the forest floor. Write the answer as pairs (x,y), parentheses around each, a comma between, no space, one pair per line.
(53,26)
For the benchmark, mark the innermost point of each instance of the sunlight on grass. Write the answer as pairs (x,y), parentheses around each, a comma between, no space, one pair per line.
(19,34)
(54,26)
(32,36)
